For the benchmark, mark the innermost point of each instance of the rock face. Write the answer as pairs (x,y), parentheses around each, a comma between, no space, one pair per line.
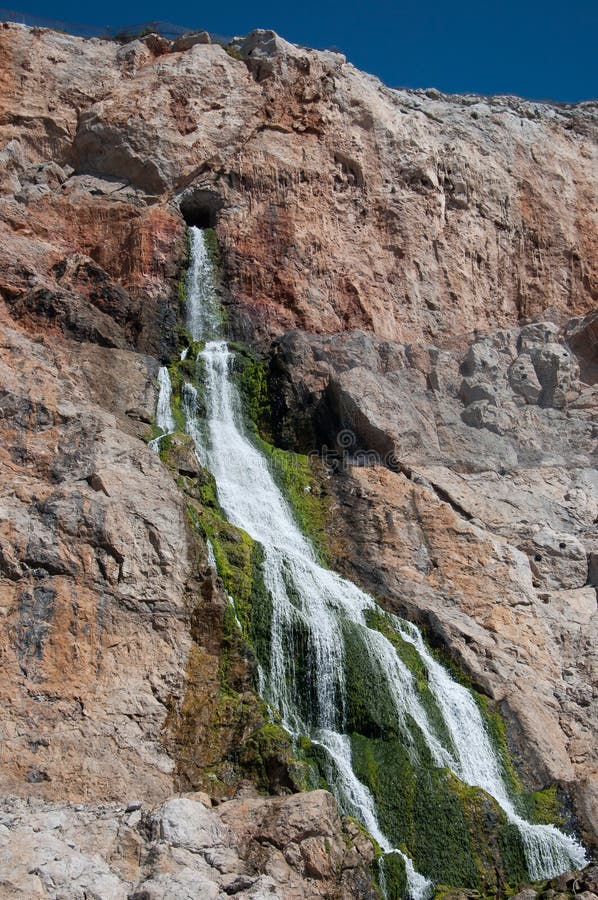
(346,204)
(469,504)
(434,260)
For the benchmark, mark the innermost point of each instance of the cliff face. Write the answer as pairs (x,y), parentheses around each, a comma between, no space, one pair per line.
(408,239)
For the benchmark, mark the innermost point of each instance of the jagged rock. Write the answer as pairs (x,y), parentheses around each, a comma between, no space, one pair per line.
(186,41)
(182,850)
(589,880)
(157,44)
(182,456)
(582,337)
(523,378)
(394,247)
(557,560)
(186,823)
(133,55)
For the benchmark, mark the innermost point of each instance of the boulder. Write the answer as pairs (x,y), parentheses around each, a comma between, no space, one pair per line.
(186,41)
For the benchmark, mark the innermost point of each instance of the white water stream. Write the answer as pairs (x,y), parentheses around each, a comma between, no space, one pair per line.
(164,417)
(318,603)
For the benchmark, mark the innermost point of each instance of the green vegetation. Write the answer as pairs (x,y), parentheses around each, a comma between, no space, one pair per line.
(239,561)
(233,52)
(370,709)
(292,471)
(408,654)
(544,807)
(250,374)
(182,282)
(213,249)
(395,876)
(270,758)
(455,834)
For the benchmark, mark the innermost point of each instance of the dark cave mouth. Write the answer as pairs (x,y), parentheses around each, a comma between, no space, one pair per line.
(200,208)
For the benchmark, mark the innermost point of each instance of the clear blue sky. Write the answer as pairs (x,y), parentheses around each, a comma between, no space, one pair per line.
(543,50)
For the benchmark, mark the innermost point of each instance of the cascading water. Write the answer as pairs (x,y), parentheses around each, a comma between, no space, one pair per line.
(164,417)
(319,605)
(548,851)
(204,320)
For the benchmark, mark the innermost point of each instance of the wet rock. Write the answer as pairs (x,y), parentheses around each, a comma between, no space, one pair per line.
(181,455)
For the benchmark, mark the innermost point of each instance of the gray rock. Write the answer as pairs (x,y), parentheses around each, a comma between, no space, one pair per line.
(187,823)
(557,372)
(558,560)
(523,378)
(473,390)
(186,41)
(530,336)
(482,359)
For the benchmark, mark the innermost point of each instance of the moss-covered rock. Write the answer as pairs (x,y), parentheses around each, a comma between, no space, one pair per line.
(390,872)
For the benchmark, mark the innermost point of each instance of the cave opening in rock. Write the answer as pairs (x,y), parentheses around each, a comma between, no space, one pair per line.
(200,207)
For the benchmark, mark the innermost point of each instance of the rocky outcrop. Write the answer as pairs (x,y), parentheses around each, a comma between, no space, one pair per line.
(435,260)
(345,204)
(291,847)
(466,498)
(96,564)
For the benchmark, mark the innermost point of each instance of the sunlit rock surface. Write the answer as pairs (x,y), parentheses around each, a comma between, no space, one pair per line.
(434,259)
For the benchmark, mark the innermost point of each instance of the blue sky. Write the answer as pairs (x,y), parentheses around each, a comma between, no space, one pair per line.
(543,50)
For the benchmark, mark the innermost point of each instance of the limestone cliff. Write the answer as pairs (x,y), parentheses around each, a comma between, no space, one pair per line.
(420,272)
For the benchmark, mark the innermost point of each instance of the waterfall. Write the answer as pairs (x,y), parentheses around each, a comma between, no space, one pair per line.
(164,417)
(316,603)
(548,851)
(204,320)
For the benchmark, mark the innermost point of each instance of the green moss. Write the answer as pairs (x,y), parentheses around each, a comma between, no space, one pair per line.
(239,560)
(181,287)
(292,471)
(250,374)
(497,732)
(271,760)
(408,654)
(455,834)
(152,433)
(370,709)
(211,241)
(307,500)
(543,807)
(395,876)
(181,290)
